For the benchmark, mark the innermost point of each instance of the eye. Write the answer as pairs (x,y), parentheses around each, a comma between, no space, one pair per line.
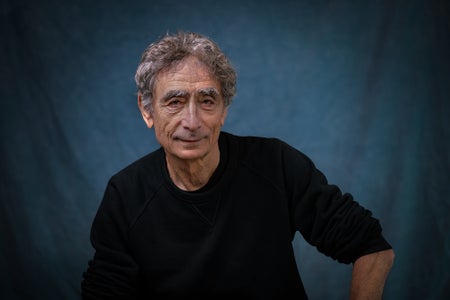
(208,103)
(174,103)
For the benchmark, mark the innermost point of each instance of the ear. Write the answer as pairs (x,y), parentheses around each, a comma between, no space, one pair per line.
(146,114)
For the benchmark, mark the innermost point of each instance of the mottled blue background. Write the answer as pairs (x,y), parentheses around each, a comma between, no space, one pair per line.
(362,87)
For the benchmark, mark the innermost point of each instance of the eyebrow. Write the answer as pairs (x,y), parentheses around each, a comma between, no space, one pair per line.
(212,92)
(209,92)
(174,93)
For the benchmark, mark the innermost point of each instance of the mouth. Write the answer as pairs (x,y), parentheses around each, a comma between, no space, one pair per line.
(190,140)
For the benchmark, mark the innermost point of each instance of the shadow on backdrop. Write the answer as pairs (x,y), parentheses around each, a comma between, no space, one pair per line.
(363,89)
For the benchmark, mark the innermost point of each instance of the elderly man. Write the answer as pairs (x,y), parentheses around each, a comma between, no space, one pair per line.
(210,214)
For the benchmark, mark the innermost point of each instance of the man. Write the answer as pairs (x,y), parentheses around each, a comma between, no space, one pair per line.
(210,214)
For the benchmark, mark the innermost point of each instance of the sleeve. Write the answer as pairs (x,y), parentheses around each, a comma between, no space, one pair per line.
(328,219)
(112,273)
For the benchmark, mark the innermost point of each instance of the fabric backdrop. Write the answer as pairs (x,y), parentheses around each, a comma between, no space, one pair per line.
(362,87)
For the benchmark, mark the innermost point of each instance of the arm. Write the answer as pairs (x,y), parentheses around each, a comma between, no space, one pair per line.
(112,273)
(369,275)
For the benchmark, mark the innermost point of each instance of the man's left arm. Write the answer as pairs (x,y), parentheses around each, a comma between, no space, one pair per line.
(369,275)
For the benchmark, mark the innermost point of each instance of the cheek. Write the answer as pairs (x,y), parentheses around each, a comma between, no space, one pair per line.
(222,120)
(165,127)
(216,130)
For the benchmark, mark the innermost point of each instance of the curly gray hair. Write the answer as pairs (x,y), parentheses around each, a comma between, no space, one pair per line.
(172,49)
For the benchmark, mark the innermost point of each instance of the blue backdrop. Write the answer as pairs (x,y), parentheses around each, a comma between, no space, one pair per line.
(362,87)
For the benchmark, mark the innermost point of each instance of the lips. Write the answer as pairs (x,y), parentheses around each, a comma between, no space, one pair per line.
(189,137)
(188,140)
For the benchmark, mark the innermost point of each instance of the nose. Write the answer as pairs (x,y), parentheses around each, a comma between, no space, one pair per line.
(191,119)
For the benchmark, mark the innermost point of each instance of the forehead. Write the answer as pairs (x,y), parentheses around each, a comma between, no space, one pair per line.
(188,74)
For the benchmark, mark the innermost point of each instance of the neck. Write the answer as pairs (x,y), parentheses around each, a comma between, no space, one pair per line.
(191,175)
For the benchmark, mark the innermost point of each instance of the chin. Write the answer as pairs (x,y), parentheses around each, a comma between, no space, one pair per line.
(191,154)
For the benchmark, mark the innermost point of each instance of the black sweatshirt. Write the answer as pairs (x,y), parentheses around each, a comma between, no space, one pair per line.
(231,238)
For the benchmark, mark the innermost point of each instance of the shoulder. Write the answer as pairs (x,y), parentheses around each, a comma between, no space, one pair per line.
(130,190)
(269,155)
(253,143)
(146,168)
(260,148)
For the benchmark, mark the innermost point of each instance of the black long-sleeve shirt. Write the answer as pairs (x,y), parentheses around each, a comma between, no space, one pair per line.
(233,237)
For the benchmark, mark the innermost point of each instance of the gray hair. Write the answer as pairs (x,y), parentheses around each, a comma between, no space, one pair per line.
(170,50)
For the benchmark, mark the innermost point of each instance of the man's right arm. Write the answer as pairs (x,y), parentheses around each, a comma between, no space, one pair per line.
(112,273)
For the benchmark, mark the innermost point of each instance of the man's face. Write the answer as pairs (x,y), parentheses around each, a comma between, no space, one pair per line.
(188,111)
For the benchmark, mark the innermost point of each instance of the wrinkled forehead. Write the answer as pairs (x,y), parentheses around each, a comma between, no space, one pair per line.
(190,69)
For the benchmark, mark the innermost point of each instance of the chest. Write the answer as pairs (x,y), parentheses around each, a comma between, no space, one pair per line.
(232,229)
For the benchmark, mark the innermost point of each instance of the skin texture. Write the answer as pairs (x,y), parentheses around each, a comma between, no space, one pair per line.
(369,275)
(187,114)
